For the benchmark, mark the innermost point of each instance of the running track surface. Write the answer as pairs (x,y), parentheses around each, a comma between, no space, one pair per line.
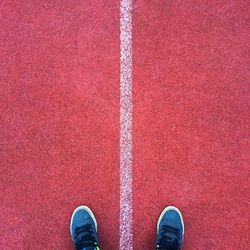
(59,122)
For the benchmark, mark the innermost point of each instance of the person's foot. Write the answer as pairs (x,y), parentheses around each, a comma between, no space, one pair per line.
(83,229)
(170,229)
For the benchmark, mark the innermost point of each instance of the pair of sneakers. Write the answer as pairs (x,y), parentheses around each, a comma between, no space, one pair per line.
(170,229)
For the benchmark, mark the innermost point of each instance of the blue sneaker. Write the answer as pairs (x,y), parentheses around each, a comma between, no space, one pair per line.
(83,229)
(170,230)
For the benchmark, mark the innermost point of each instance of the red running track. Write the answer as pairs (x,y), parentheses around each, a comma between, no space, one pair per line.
(59,120)
(191,120)
(59,136)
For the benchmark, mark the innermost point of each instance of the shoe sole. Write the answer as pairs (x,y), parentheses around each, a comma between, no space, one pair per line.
(166,210)
(89,212)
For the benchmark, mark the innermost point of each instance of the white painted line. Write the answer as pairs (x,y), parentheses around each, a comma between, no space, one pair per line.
(126,241)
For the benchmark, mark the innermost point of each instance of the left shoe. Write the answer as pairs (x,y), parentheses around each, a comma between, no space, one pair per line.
(83,229)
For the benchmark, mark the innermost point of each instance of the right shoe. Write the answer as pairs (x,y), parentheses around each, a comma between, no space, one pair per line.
(83,229)
(170,229)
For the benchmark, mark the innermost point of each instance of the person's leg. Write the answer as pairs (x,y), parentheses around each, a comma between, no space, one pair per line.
(83,229)
(170,229)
